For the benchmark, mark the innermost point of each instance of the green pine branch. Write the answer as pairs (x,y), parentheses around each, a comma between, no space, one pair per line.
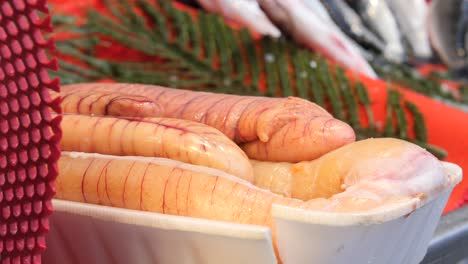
(411,79)
(206,54)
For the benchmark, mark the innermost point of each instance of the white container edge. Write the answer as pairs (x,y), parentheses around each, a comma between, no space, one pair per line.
(298,232)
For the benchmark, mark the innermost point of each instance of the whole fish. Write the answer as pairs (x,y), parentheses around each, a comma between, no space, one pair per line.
(297,19)
(320,10)
(411,16)
(378,16)
(443,18)
(244,12)
(351,24)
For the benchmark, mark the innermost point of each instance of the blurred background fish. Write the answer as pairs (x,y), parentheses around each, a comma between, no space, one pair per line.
(297,19)
(461,39)
(355,32)
(377,15)
(244,12)
(447,30)
(319,9)
(411,16)
(351,24)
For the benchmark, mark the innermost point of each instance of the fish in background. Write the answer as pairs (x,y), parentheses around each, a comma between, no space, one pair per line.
(297,19)
(443,18)
(244,12)
(320,10)
(351,24)
(461,39)
(411,16)
(378,16)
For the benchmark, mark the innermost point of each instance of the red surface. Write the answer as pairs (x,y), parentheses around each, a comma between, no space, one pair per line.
(447,126)
(29,134)
(427,69)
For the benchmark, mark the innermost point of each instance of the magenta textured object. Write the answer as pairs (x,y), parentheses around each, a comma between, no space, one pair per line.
(29,130)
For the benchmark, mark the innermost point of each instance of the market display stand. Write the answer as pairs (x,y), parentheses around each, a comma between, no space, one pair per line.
(450,242)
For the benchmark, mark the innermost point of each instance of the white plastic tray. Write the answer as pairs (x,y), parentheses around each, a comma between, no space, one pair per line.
(85,233)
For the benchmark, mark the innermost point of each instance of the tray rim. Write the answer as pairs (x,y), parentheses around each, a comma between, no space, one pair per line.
(163,221)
